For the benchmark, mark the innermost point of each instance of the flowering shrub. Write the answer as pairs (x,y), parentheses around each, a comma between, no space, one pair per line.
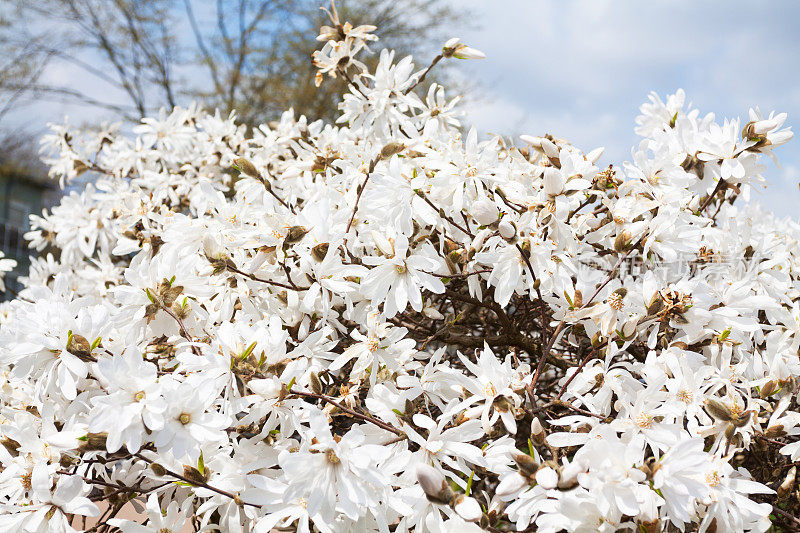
(389,325)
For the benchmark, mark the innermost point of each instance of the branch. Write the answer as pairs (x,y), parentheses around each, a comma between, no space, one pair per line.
(425,73)
(361,191)
(233,268)
(366,418)
(196,483)
(207,57)
(554,336)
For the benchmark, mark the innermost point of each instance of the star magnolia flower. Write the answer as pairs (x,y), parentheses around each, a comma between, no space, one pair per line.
(294,321)
(171,520)
(398,278)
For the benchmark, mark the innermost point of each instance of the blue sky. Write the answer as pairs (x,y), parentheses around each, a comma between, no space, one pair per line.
(579,69)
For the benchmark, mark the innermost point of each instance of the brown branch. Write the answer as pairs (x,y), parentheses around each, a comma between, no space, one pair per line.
(540,366)
(184,331)
(361,191)
(366,418)
(197,483)
(721,185)
(424,74)
(292,287)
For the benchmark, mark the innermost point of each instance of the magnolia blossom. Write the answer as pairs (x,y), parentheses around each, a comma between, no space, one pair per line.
(392,323)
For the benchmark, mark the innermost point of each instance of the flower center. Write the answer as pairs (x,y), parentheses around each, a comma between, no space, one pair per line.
(615,301)
(185,418)
(331,457)
(712,479)
(373,344)
(685,396)
(644,421)
(401,268)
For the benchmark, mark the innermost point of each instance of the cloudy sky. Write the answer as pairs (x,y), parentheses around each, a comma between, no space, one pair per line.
(580,69)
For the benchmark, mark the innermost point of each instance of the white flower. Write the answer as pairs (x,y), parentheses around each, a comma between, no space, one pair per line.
(383,345)
(491,387)
(231,306)
(190,419)
(173,519)
(133,405)
(333,475)
(398,280)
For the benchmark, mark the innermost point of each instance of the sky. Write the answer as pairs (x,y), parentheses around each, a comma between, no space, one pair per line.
(580,69)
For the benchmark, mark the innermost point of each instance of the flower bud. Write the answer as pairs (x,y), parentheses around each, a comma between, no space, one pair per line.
(467,508)
(569,475)
(79,346)
(537,431)
(762,127)
(434,485)
(527,464)
(95,441)
(391,149)
(553,181)
(320,251)
(788,482)
(577,299)
(480,238)
(484,212)
(158,470)
(383,244)
(510,484)
(596,339)
(550,149)
(194,475)
(11,446)
(507,230)
(742,420)
(432,313)
(774,432)
(719,410)
(622,241)
(536,142)
(547,478)
(295,234)
(593,222)
(594,155)
(246,167)
(768,388)
(628,329)
(455,48)
(316,384)
(655,306)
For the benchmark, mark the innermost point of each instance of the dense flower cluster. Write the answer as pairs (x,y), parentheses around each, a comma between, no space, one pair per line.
(391,325)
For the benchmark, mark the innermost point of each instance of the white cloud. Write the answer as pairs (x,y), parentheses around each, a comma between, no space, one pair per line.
(581,68)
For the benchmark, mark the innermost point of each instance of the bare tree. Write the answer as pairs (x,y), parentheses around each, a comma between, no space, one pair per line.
(250,55)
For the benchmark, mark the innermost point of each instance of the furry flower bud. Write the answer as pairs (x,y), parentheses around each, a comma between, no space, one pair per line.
(434,485)
(455,48)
